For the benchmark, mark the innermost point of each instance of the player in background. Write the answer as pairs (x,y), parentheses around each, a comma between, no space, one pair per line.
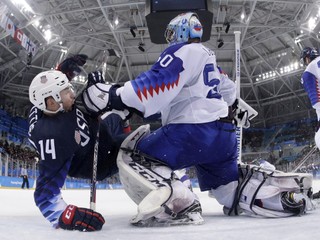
(64,137)
(310,80)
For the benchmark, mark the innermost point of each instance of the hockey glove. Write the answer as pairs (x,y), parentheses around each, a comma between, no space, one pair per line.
(82,219)
(70,66)
(100,97)
(241,116)
(95,77)
(96,97)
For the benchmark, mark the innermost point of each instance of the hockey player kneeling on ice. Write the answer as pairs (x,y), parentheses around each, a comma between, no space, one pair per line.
(65,137)
(197,130)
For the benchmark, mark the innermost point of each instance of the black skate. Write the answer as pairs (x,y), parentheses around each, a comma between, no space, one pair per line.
(316,195)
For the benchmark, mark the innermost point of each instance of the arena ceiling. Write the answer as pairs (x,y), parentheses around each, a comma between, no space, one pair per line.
(272,36)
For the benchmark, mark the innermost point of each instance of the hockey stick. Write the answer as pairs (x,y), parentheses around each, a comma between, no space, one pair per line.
(93,189)
(237,69)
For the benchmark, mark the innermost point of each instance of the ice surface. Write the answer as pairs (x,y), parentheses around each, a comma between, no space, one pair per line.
(20,219)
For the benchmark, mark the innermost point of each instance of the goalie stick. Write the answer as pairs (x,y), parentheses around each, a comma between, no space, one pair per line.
(237,70)
(242,104)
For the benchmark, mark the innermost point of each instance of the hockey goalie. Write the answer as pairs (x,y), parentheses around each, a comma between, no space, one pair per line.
(199,115)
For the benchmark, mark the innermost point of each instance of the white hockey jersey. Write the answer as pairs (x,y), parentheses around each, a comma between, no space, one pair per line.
(311,83)
(184,85)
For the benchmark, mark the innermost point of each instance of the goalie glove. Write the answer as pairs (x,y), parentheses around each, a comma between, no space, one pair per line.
(82,219)
(71,66)
(242,119)
(241,116)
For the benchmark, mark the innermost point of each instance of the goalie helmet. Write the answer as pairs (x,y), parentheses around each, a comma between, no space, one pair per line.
(47,84)
(183,27)
(310,53)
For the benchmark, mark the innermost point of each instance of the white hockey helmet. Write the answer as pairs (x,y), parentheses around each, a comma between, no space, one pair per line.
(183,27)
(47,84)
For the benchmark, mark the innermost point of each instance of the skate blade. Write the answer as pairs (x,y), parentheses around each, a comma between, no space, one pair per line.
(154,222)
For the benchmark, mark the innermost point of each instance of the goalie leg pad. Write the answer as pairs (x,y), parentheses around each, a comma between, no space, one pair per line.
(152,204)
(153,186)
(147,188)
(264,185)
(134,183)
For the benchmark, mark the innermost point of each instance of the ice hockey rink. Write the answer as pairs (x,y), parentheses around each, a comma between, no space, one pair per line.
(20,219)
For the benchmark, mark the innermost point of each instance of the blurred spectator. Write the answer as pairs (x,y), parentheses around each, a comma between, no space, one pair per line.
(24,175)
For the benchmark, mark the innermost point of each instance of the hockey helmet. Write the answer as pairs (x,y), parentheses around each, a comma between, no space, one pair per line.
(183,27)
(47,84)
(310,53)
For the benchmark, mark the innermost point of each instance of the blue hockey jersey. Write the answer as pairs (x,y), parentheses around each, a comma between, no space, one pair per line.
(65,143)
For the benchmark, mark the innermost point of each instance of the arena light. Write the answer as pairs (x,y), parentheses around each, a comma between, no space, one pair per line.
(47,35)
(116,21)
(285,70)
(311,23)
(23,5)
(243,14)
(36,23)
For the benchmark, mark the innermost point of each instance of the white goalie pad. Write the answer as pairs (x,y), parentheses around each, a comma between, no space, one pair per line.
(137,180)
(259,183)
(295,182)
(152,204)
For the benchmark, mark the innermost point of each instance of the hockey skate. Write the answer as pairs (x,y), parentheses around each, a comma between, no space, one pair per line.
(293,203)
(189,216)
(316,199)
(316,195)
